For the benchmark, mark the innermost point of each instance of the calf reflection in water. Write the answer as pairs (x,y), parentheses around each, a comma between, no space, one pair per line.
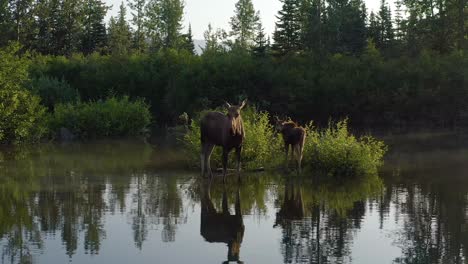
(292,207)
(222,227)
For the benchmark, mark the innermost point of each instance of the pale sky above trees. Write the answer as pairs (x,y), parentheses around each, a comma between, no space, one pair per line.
(218,12)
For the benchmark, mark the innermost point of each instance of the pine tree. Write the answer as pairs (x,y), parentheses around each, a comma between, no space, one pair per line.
(243,23)
(138,18)
(346,26)
(120,34)
(261,42)
(374,31)
(399,20)
(94,34)
(386,26)
(311,34)
(72,22)
(215,40)
(164,22)
(187,41)
(288,29)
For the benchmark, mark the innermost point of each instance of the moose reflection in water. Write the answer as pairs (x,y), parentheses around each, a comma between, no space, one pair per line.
(226,131)
(292,207)
(222,227)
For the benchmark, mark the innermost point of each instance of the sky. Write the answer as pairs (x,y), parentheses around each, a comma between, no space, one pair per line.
(218,12)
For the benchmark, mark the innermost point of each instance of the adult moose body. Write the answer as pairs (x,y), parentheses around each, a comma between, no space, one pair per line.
(224,130)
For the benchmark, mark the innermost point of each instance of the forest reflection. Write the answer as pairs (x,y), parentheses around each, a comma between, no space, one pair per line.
(68,192)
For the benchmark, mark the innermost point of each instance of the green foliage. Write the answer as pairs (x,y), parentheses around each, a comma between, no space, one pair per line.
(244,23)
(53,91)
(164,22)
(260,147)
(22,118)
(113,117)
(21,115)
(287,32)
(120,34)
(13,68)
(336,152)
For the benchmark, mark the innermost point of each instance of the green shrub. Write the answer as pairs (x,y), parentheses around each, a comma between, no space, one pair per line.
(113,117)
(260,148)
(53,91)
(22,118)
(336,152)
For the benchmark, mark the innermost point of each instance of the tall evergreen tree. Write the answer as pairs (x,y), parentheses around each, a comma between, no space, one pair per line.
(187,41)
(311,28)
(386,26)
(164,22)
(94,34)
(214,40)
(120,34)
(399,20)
(287,33)
(346,26)
(261,42)
(374,29)
(72,23)
(138,19)
(244,23)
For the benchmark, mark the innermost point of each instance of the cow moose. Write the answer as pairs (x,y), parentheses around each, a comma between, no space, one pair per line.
(224,130)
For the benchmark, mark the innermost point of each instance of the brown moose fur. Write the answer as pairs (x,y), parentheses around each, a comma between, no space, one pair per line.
(294,136)
(224,130)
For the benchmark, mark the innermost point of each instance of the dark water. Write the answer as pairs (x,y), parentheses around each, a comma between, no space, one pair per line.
(119,202)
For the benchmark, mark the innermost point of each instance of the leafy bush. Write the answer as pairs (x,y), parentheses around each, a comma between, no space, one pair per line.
(335,151)
(22,118)
(260,147)
(113,117)
(53,91)
(13,67)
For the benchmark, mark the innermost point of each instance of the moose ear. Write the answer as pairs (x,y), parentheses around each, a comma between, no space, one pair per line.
(228,105)
(243,104)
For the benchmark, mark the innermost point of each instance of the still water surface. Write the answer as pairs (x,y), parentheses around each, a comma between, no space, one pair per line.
(118,202)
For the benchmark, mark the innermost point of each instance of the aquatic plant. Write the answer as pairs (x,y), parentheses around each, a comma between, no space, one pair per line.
(333,151)
(336,152)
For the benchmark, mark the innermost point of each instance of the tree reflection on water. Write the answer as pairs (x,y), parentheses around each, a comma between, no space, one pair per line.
(68,192)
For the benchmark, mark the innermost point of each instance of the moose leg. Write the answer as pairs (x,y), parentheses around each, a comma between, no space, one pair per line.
(202,161)
(301,155)
(238,155)
(225,161)
(297,157)
(286,150)
(208,149)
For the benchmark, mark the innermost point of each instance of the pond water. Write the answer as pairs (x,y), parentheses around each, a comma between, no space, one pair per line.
(128,202)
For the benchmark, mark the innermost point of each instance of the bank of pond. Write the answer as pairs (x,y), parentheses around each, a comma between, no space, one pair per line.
(331,150)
